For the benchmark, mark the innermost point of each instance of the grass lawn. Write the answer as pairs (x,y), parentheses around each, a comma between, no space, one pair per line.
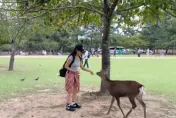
(158,74)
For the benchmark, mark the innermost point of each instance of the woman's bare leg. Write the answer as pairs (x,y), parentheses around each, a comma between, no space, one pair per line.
(68,98)
(74,95)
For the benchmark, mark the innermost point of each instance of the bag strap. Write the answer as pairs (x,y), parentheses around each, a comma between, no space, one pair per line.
(71,62)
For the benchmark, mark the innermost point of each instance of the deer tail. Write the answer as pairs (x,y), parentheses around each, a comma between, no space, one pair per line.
(142,91)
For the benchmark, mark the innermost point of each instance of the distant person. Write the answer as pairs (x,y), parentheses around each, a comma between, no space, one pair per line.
(96,53)
(72,78)
(44,52)
(93,51)
(86,57)
(139,52)
(59,54)
(162,52)
(21,52)
(148,52)
(115,52)
(157,52)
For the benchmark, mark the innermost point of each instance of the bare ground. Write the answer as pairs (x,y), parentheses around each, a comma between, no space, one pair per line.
(52,105)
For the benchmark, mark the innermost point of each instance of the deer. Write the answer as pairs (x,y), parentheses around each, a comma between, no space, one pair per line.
(127,88)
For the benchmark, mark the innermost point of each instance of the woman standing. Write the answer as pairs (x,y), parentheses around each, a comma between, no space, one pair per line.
(72,83)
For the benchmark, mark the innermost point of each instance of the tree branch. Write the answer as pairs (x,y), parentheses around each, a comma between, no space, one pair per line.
(131,8)
(54,9)
(93,10)
(113,8)
(68,19)
(2,9)
(106,6)
(20,29)
(95,6)
(173,9)
(78,18)
(10,38)
(13,2)
(36,16)
(28,17)
(153,11)
(20,38)
(170,13)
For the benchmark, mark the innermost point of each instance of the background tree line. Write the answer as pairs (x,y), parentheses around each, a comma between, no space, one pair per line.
(43,37)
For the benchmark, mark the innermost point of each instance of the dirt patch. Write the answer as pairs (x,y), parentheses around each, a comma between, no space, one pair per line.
(3,67)
(47,105)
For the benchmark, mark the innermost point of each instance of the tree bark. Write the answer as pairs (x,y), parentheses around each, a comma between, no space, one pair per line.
(61,50)
(105,57)
(108,13)
(12,56)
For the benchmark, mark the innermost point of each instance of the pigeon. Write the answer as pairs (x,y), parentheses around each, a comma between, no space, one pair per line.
(22,79)
(36,78)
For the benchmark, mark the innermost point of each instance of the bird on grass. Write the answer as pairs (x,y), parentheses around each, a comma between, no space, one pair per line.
(22,79)
(36,78)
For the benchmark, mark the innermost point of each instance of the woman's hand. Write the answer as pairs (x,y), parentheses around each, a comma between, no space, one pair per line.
(85,69)
(92,73)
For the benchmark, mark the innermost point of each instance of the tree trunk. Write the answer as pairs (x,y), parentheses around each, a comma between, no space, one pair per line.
(107,17)
(105,51)
(167,51)
(61,50)
(105,60)
(12,57)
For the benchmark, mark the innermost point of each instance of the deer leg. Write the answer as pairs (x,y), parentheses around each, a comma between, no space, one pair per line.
(139,98)
(132,100)
(118,103)
(112,101)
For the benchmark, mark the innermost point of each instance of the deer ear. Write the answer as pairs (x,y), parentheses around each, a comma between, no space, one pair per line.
(103,71)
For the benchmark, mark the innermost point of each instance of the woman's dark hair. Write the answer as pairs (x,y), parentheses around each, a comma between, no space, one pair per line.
(74,54)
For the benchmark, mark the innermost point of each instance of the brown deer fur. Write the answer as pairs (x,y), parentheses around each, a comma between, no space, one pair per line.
(117,89)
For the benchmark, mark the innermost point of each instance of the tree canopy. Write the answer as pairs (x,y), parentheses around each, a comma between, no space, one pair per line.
(69,14)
